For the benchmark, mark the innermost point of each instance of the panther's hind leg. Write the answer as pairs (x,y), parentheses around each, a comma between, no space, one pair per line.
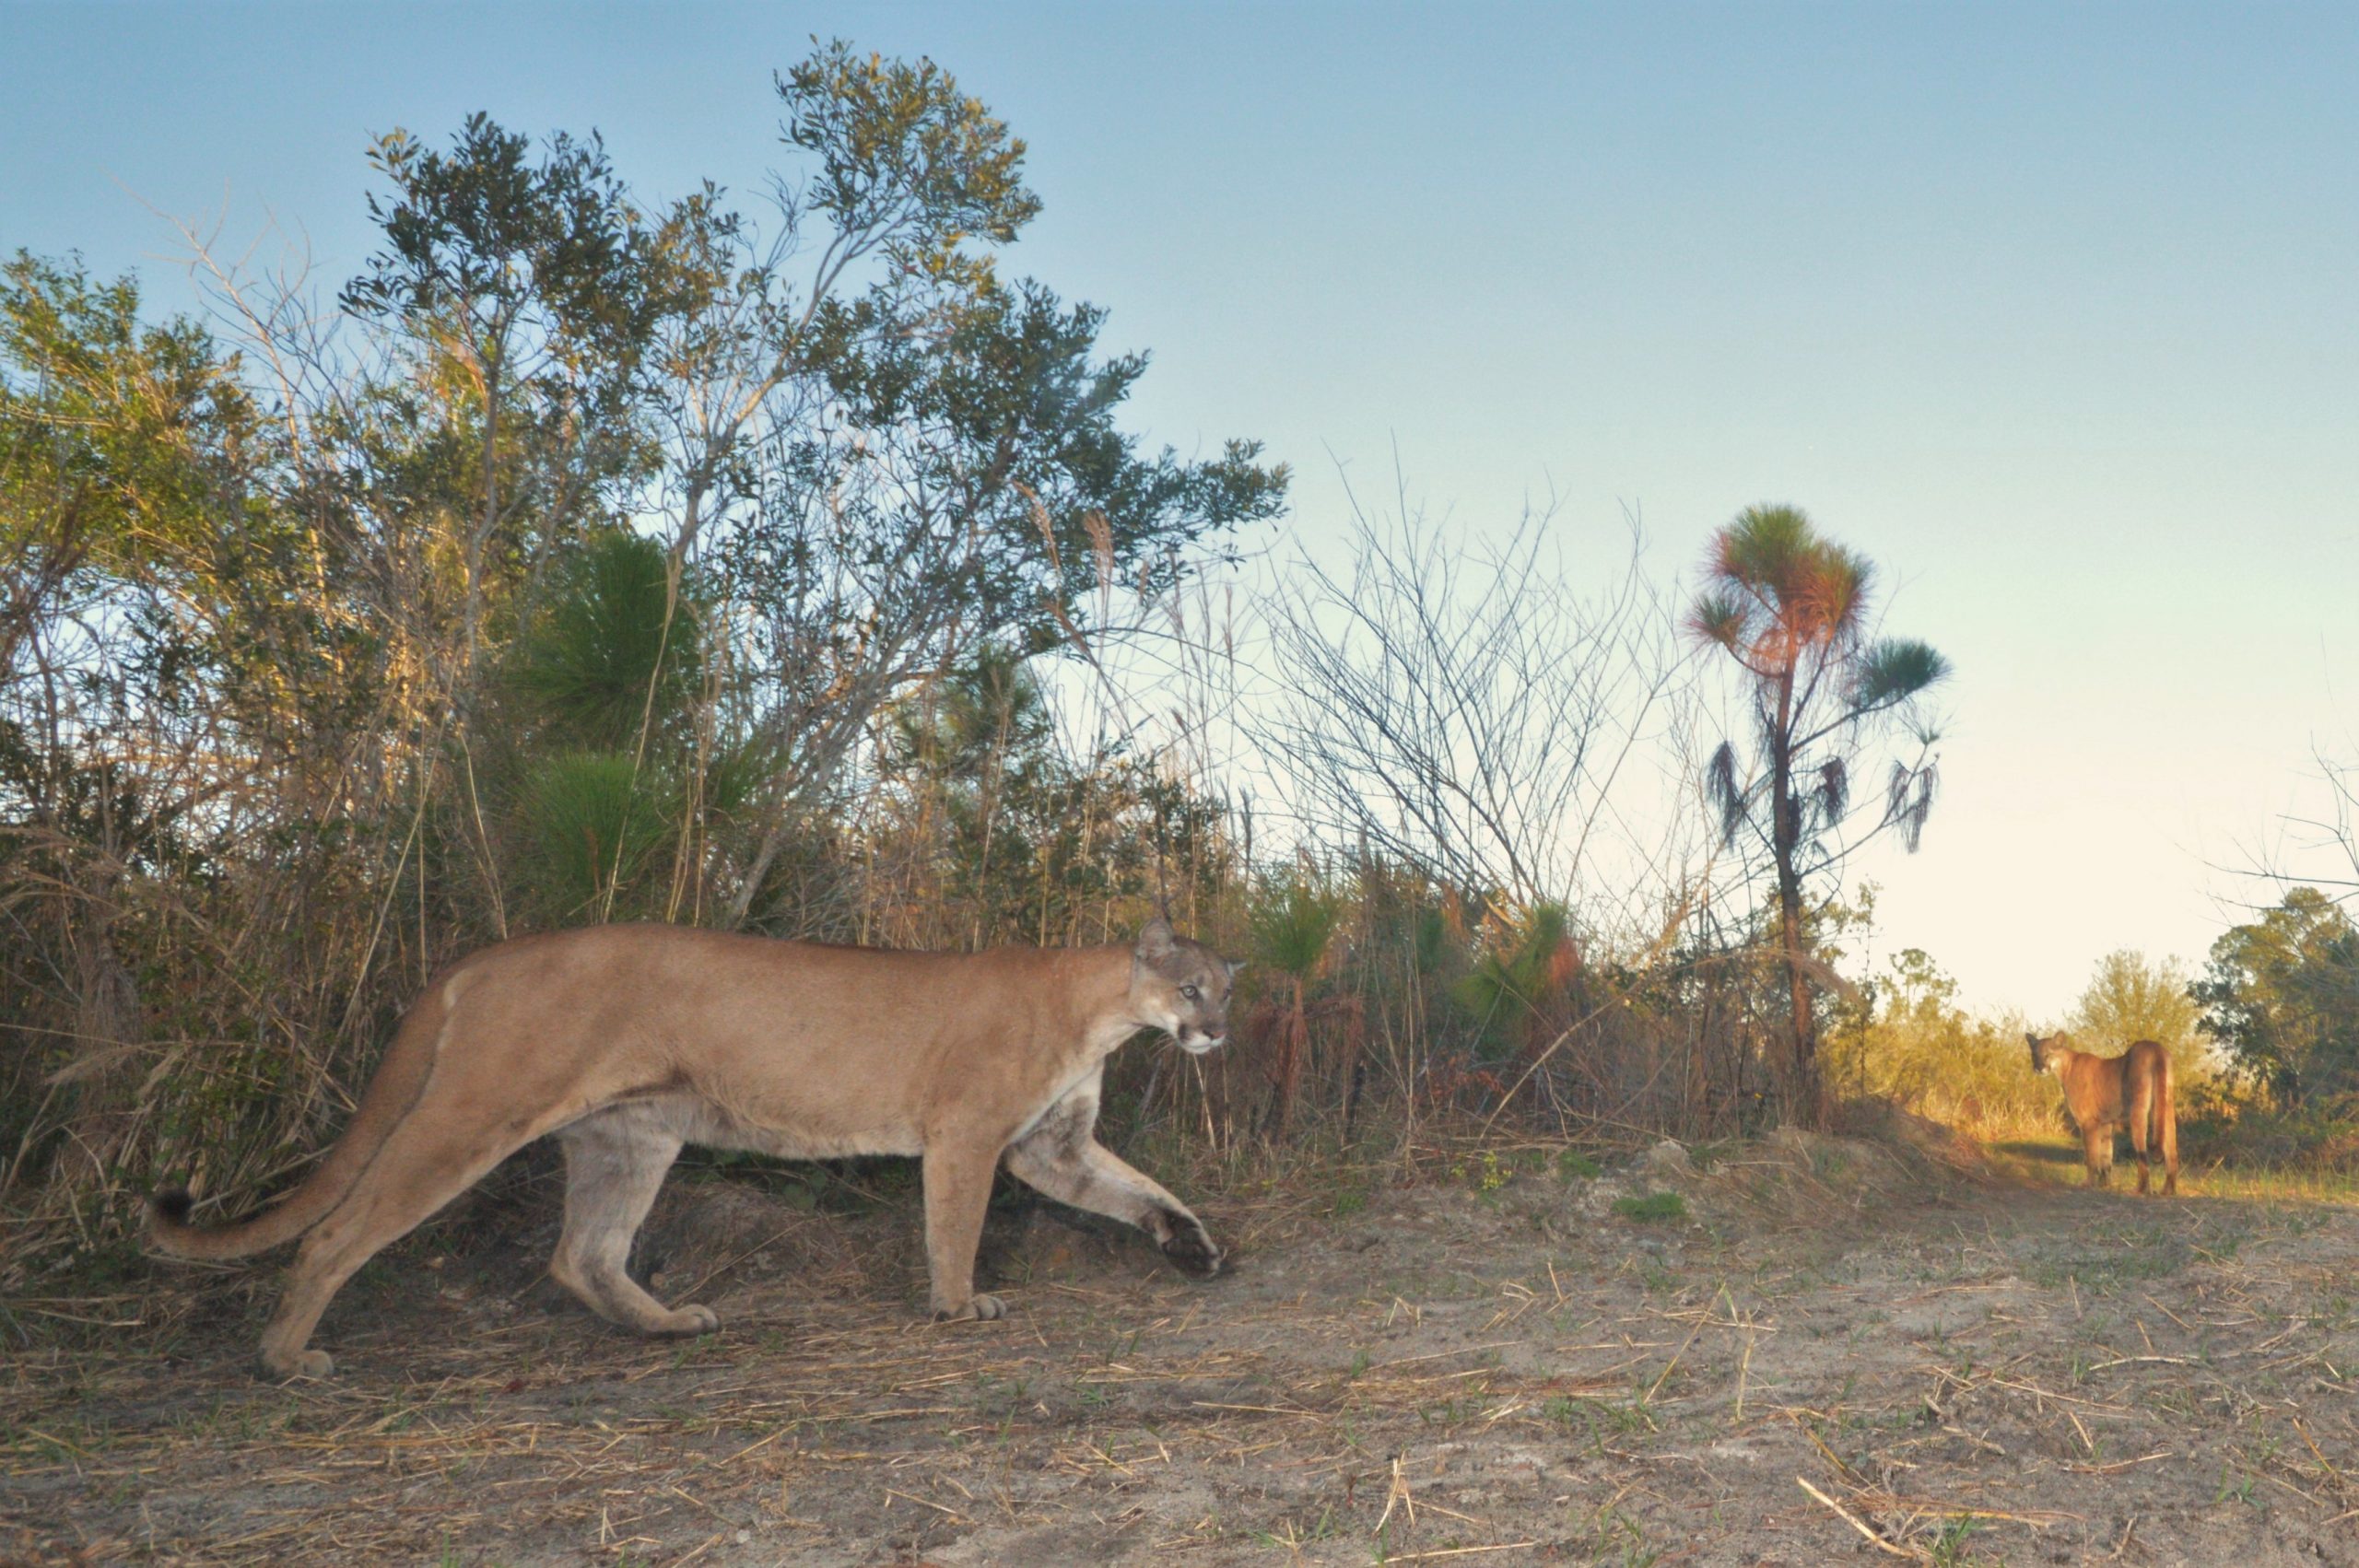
(615,1162)
(2142,1112)
(425,1162)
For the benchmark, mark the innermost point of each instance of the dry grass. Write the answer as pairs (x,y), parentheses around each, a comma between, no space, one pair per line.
(1844,1340)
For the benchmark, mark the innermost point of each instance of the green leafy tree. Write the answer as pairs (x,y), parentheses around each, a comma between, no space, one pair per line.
(893,455)
(2281,994)
(2131,998)
(144,622)
(1908,1040)
(530,286)
(879,453)
(1792,609)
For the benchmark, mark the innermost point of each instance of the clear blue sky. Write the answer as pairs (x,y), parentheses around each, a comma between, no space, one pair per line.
(2050,308)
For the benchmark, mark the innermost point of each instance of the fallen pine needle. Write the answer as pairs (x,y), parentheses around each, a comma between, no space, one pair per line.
(2119,1465)
(1846,1515)
(1460,1551)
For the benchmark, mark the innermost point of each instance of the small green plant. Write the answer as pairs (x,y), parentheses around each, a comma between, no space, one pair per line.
(1948,1549)
(1574,1165)
(1653,1208)
(2237,1489)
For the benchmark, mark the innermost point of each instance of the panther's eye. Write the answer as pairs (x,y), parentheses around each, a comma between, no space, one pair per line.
(1190,992)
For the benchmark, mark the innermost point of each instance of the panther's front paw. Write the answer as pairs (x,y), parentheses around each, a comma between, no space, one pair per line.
(1191,1247)
(303,1363)
(987,1309)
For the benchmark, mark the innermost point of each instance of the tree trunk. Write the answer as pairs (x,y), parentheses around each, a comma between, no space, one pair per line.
(1805,1095)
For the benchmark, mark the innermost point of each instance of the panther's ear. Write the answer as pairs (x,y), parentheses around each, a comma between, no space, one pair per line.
(1236,967)
(2032,1038)
(1155,939)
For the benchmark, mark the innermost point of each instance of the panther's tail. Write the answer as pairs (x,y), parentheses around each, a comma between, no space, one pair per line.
(399,1079)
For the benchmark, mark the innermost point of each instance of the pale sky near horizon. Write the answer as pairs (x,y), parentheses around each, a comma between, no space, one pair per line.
(2049,309)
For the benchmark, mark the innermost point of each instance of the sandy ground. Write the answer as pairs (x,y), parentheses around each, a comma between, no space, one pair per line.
(1838,1354)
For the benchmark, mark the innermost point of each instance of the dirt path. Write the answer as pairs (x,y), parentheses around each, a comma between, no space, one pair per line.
(1824,1349)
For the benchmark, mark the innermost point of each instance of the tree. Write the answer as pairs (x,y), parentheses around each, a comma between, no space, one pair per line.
(876,453)
(1464,710)
(891,455)
(137,611)
(2281,994)
(533,282)
(2130,999)
(1792,609)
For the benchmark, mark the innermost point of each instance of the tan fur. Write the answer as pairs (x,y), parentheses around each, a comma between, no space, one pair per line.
(627,1042)
(2131,1091)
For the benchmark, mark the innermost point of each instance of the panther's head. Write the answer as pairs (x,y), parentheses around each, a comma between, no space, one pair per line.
(2046,1055)
(1182,987)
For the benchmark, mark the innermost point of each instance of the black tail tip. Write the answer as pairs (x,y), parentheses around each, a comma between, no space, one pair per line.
(171,1205)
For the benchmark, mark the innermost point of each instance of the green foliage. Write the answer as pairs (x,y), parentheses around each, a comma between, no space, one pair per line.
(1519,979)
(2281,995)
(1655,1208)
(1894,671)
(593,821)
(127,491)
(2317,1135)
(890,134)
(1574,1165)
(2132,999)
(483,243)
(608,650)
(1004,834)
(1916,1046)
(1292,924)
(980,723)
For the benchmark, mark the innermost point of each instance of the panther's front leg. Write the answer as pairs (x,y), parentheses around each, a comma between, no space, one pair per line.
(958,1189)
(1062,1158)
